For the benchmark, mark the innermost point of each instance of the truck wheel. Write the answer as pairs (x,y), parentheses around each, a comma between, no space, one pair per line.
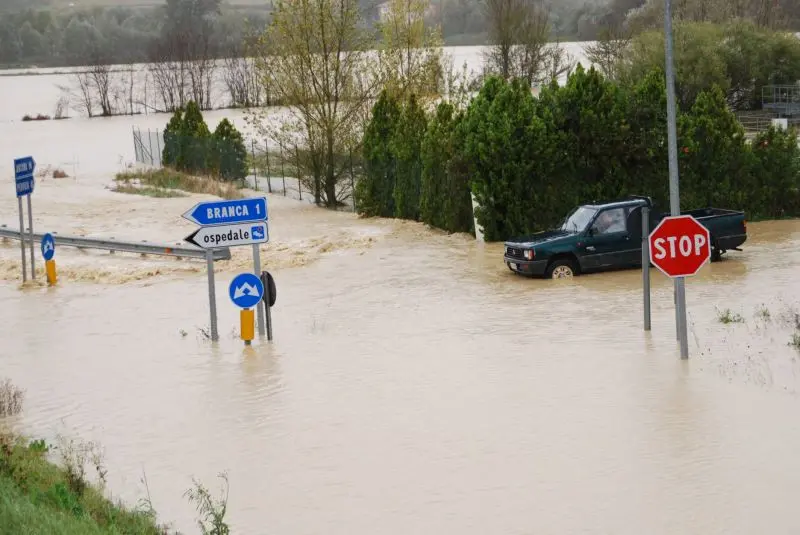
(561,268)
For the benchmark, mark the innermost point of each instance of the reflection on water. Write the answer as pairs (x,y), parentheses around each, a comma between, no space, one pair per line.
(418,386)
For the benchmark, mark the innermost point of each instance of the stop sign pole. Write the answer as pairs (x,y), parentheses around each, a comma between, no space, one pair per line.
(674,192)
(679,246)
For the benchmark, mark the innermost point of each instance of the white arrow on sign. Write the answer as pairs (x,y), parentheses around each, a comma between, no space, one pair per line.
(244,289)
(230,235)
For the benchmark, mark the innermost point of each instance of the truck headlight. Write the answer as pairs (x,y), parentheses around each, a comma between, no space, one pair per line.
(529,254)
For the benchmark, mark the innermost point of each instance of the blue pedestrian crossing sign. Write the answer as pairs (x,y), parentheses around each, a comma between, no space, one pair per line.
(246,290)
(48,246)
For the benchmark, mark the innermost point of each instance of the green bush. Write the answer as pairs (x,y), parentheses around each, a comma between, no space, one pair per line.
(406,145)
(445,200)
(190,147)
(529,161)
(228,155)
(375,190)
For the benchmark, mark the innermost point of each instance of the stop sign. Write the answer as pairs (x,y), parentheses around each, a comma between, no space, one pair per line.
(679,246)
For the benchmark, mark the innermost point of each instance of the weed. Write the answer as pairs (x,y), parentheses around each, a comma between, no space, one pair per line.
(763,313)
(212,512)
(727,316)
(10,399)
(795,341)
(171,179)
(75,456)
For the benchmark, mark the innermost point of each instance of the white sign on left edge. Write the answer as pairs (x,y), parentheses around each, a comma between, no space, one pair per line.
(229,235)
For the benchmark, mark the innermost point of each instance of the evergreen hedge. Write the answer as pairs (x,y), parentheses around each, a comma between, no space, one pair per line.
(529,161)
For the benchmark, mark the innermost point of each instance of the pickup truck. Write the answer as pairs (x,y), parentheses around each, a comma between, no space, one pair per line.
(604,236)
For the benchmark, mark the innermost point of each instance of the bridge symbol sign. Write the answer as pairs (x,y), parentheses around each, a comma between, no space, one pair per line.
(246,290)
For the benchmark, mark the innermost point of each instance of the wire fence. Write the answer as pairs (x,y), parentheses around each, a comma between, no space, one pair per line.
(147,146)
(284,169)
(274,167)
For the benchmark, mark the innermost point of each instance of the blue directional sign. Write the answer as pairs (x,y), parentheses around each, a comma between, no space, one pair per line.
(23,175)
(48,246)
(246,290)
(227,212)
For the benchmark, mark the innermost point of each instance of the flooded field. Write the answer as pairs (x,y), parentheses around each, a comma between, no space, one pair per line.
(415,385)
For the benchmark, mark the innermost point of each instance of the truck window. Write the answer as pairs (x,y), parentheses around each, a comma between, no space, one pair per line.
(579,219)
(610,221)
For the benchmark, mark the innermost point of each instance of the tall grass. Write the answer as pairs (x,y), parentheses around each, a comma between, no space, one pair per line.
(169,179)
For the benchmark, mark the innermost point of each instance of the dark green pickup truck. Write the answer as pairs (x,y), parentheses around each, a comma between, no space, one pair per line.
(600,237)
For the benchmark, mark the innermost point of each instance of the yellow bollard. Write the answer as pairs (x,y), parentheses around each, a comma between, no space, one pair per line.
(50,267)
(248,325)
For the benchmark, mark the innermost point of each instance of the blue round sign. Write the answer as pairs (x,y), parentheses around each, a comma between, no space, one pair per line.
(246,290)
(48,246)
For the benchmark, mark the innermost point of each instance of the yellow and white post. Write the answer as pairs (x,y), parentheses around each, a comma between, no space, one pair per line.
(247,317)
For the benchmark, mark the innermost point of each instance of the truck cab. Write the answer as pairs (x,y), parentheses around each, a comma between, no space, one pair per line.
(608,235)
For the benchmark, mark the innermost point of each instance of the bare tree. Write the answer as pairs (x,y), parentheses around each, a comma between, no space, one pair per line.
(518,34)
(609,49)
(241,81)
(170,75)
(101,82)
(557,62)
(83,96)
(200,65)
(315,57)
(411,56)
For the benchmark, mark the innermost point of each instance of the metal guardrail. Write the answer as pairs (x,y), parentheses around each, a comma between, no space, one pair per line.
(112,245)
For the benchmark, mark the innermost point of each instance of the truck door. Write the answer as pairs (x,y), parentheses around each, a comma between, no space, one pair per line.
(608,243)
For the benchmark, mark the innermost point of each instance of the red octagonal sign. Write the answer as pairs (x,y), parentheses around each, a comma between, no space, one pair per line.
(679,246)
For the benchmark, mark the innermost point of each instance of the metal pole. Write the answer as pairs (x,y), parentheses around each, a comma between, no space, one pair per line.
(212,298)
(646,265)
(283,173)
(269,174)
(30,235)
(674,192)
(257,271)
(22,240)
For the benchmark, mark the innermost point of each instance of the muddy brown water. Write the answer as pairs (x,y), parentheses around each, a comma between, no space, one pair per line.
(417,386)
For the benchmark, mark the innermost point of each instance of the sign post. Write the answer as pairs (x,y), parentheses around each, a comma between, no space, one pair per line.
(270,296)
(679,247)
(246,291)
(674,191)
(25,182)
(229,223)
(48,252)
(646,265)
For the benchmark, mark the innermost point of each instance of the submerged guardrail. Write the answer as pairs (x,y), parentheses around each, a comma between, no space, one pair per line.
(112,245)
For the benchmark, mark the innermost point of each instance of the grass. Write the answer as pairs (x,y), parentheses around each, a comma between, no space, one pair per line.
(763,313)
(148,191)
(169,179)
(38,495)
(727,316)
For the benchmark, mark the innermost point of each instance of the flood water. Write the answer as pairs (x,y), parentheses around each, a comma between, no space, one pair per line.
(415,385)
